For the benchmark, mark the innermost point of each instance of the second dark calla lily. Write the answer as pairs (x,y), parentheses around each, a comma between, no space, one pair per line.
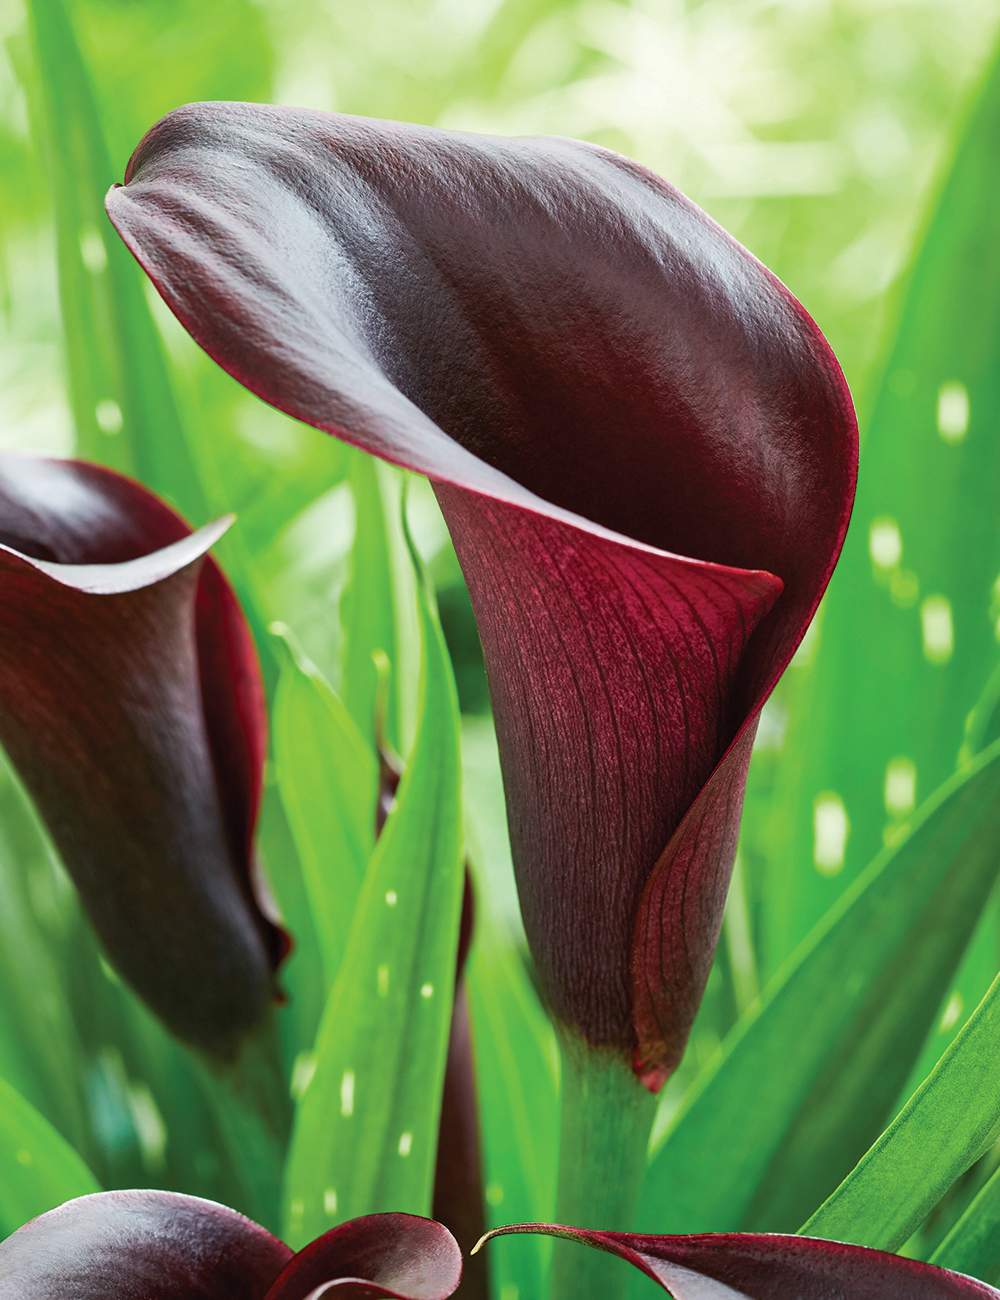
(642,445)
(131,705)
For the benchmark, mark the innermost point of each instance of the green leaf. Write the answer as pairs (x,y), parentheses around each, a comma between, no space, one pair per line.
(38,1168)
(302,976)
(517,1086)
(41,1054)
(328,779)
(365,1138)
(367,605)
(908,634)
(948,1123)
(123,403)
(825,1055)
(973,1245)
(148,58)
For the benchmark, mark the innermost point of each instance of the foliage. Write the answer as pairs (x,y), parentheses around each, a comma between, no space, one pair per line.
(839,1071)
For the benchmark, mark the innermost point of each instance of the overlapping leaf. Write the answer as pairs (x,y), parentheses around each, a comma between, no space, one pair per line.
(366,1133)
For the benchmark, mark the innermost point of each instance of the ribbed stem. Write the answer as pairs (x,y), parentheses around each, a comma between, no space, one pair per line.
(606,1120)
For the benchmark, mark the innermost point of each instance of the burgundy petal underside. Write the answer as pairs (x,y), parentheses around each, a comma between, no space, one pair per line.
(643,447)
(751,1266)
(101,710)
(393,1256)
(153,1245)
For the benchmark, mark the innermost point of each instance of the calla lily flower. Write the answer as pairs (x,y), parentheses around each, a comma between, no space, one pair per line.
(131,705)
(762,1266)
(166,1246)
(642,445)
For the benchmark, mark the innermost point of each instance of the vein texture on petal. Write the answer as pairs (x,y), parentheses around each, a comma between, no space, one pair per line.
(642,444)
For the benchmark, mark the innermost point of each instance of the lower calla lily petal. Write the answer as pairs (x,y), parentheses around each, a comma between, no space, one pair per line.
(151,1245)
(394,1256)
(765,1266)
(123,1245)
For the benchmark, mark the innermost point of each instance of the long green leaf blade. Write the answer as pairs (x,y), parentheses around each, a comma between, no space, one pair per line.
(908,635)
(826,1054)
(973,1245)
(366,1133)
(40,1169)
(328,778)
(367,606)
(952,1118)
(516,1075)
(123,402)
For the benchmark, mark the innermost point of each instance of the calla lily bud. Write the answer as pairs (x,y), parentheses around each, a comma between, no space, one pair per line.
(643,447)
(766,1266)
(131,705)
(165,1246)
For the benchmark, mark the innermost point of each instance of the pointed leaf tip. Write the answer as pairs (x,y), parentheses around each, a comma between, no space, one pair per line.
(132,707)
(643,447)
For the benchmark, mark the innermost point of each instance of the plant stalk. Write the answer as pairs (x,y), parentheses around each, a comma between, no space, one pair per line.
(607,1116)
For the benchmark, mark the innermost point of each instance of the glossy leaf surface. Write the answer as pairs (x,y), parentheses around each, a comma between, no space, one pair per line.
(747,1266)
(638,440)
(846,1019)
(131,705)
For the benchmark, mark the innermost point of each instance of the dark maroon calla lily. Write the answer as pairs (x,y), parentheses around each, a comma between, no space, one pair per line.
(165,1246)
(131,704)
(642,445)
(762,1266)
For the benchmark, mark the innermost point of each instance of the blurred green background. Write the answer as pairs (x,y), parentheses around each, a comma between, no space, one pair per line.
(818,132)
(811,129)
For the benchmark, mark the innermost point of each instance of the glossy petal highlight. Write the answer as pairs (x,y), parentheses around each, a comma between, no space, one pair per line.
(643,447)
(759,1266)
(167,1246)
(394,1256)
(157,1245)
(130,703)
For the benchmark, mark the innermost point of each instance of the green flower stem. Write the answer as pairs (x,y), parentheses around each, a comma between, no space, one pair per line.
(606,1120)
